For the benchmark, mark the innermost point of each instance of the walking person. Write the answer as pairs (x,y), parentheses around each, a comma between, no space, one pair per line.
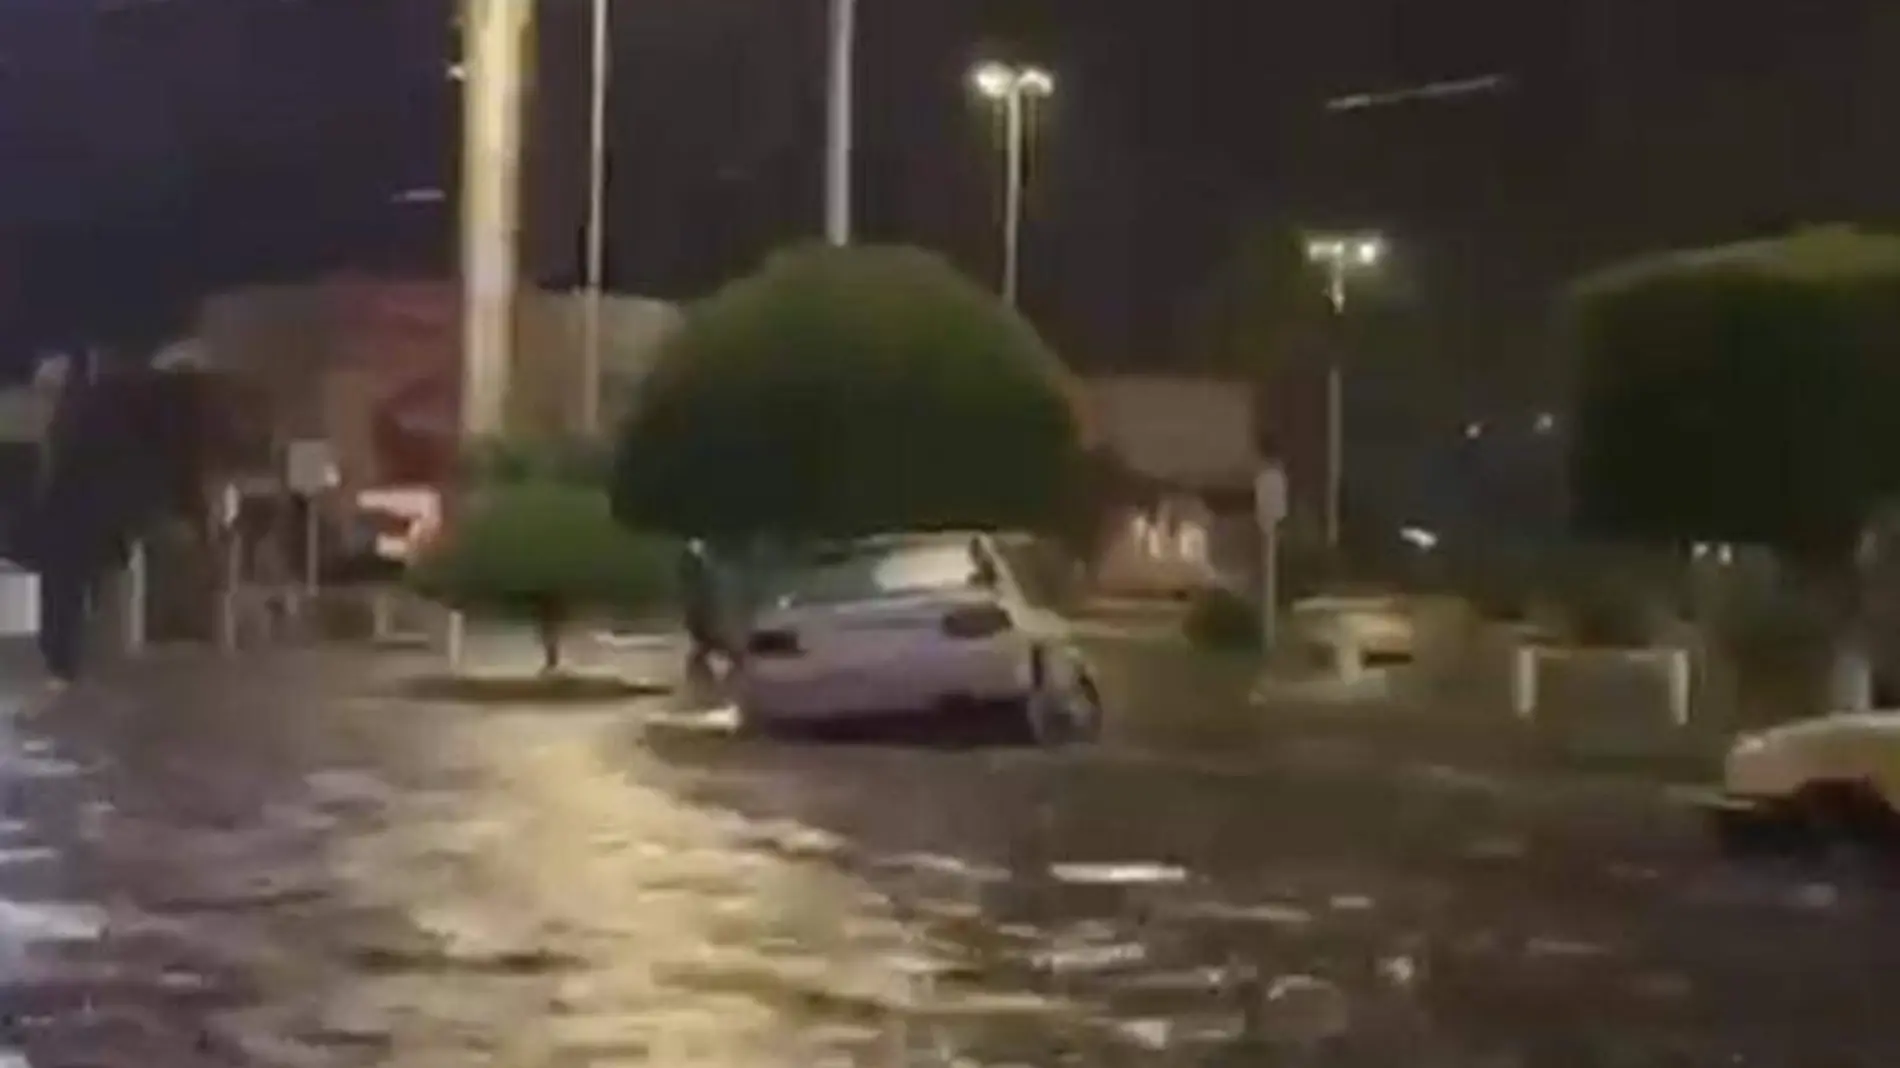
(73,534)
(699,602)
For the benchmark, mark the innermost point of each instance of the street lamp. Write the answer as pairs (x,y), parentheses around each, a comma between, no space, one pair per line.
(1012,88)
(1341,255)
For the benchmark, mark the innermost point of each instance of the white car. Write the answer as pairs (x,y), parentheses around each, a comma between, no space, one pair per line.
(1804,783)
(947,626)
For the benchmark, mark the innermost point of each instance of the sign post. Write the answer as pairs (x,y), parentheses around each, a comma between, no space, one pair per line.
(137,595)
(1269,501)
(310,470)
(230,509)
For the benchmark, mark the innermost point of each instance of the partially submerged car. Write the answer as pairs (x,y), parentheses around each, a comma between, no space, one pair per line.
(950,626)
(1809,783)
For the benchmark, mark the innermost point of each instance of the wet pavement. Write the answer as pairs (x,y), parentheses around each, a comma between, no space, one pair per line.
(288,864)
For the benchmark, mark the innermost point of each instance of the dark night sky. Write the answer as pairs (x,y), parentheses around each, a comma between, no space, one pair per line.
(177,145)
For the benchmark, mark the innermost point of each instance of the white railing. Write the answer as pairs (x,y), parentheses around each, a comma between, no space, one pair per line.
(1675,665)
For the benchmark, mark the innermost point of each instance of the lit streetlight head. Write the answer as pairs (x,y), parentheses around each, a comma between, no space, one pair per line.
(1325,249)
(1035,81)
(1368,251)
(993,80)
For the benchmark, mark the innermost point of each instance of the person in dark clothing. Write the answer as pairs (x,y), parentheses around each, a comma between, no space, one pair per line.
(699,601)
(74,526)
(65,614)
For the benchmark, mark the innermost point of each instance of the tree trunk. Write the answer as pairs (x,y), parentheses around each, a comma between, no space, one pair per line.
(549,622)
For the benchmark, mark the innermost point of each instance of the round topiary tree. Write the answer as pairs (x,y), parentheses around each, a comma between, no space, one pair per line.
(544,551)
(1744,395)
(842,391)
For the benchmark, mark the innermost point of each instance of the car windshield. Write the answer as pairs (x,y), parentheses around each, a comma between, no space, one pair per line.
(873,572)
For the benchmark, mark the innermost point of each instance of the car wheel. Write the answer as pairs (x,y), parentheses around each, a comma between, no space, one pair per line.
(1848,813)
(1055,718)
(1085,711)
(1755,831)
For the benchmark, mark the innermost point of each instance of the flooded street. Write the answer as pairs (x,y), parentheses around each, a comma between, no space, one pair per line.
(278,866)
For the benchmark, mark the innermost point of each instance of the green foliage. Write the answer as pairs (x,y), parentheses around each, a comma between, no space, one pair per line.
(1223,620)
(845,391)
(565,461)
(544,551)
(1741,395)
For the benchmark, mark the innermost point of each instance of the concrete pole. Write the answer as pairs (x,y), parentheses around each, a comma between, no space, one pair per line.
(495,39)
(1335,405)
(839,121)
(137,598)
(1015,133)
(591,340)
(1269,588)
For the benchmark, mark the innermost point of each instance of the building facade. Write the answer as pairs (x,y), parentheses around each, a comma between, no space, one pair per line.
(373,366)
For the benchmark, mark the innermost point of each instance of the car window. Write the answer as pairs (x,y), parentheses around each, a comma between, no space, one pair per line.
(1036,569)
(866,574)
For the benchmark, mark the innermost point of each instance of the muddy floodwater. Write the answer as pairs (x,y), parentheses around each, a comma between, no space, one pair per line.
(283,865)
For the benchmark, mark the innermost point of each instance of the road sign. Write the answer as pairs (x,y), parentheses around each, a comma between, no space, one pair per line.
(310,467)
(1269,495)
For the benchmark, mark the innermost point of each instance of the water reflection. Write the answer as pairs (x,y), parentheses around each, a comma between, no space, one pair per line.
(406,887)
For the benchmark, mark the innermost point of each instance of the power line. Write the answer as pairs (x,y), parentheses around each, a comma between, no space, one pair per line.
(1440,90)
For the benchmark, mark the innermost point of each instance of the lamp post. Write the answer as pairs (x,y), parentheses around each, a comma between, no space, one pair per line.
(495,40)
(1341,256)
(596,221)
(839,120)
(1012,88)
(495,35)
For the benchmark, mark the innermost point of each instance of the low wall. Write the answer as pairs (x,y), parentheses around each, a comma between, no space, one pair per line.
(19,603)
(1607,689)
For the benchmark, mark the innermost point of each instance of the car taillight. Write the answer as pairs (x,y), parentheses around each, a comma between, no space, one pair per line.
(773,643)
(978,621)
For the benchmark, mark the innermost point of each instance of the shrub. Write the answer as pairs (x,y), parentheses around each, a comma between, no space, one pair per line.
(1778,641)
(567,461)
(1603,598)
(1222,619)
(544,552)
(1740,394)
(846,391)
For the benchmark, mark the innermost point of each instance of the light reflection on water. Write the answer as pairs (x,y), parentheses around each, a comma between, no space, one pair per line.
(587,907)
(543,890)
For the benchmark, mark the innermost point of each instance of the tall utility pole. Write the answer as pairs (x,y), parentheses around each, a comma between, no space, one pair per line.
(495,38)
(591,340)
(839,120)
(1343,255)
(1012,89)
(1340,256)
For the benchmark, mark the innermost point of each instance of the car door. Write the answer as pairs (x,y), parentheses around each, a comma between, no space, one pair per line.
(1033,600)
